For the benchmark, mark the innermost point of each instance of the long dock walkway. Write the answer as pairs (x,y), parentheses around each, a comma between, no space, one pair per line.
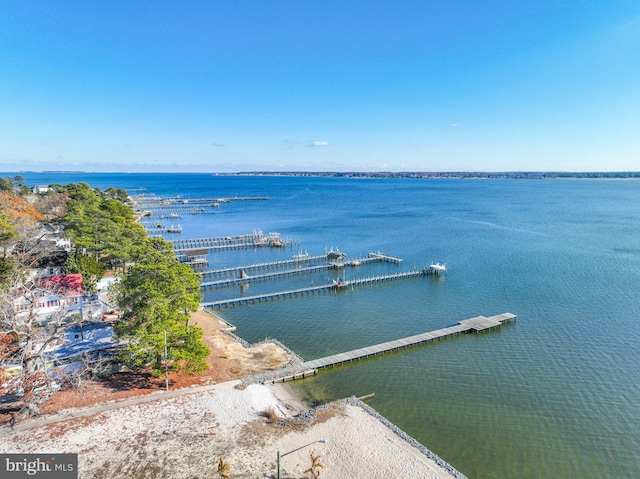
(225,303)
(191,243)
(307,368)
(255,239)
(170,200)
(261,266)
(282,264)
(221,283)
(244,278)
(385,257)
(164,212)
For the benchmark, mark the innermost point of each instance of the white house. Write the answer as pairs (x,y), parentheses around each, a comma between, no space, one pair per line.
(40,189)
(60,293)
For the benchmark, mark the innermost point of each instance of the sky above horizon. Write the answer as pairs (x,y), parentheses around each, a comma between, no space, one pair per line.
(228,86)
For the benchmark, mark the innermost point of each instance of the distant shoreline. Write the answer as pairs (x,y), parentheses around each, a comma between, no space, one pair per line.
(517,175)
(552,175)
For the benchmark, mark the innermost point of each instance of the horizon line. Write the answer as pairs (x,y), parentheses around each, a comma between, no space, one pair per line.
(347,172)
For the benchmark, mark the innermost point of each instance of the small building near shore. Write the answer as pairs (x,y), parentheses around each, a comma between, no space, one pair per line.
(336,259)
(195,256)
(41,189)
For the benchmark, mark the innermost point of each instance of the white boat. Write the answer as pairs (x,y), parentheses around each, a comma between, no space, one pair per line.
(174,229)
(438,268)
(301,255)
(199,261)
(273,240)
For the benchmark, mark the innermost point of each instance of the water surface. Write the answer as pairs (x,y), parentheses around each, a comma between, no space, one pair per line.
(556,394)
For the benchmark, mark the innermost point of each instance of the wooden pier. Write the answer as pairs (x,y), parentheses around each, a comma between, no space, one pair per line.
(243,300)
(183,244)
(251,240)
(170,200)
(278,265)
(165,212)
(261,266)
(384,257)
(156,203)
(242,277)
(307,368)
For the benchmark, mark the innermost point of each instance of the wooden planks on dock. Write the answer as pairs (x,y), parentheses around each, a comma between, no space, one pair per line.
(261,266)
(261,277)
(225,303)
(274,274)
(385,257)
(476,324)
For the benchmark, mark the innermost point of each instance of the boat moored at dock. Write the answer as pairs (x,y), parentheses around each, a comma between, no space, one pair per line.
(438,268)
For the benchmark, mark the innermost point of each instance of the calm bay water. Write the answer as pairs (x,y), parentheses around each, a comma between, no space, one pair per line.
(554,395)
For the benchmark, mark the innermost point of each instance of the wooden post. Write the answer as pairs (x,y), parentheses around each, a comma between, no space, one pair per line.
(166,363)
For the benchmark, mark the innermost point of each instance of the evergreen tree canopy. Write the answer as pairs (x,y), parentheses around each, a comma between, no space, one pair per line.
(156,295)
(102,227)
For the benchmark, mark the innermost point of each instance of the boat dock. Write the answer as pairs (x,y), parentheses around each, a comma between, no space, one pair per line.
(166,207)
(163,212)
(251,240)
(307,368)
(261,266)
(279,265)
(147,202)
(384,257)
(242,277)
(184,244)
(243,300)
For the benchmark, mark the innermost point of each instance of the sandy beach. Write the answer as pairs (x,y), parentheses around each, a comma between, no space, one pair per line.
(185,432)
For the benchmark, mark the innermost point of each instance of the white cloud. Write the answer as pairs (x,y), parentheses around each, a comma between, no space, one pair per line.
(318,143)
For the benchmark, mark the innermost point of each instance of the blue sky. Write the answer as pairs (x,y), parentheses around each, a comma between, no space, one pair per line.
(320,85)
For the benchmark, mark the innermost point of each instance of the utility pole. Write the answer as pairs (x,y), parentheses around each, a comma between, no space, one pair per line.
(166,363)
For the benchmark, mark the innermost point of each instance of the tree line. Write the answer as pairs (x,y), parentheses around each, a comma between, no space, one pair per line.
(154,294)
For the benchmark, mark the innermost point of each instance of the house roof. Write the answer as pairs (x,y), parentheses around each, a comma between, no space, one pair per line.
(71,282)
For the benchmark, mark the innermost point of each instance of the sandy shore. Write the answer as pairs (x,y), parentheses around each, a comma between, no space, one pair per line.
(183,434)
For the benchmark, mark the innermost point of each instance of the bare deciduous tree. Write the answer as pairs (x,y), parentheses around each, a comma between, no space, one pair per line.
(28,333)
(88,366)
